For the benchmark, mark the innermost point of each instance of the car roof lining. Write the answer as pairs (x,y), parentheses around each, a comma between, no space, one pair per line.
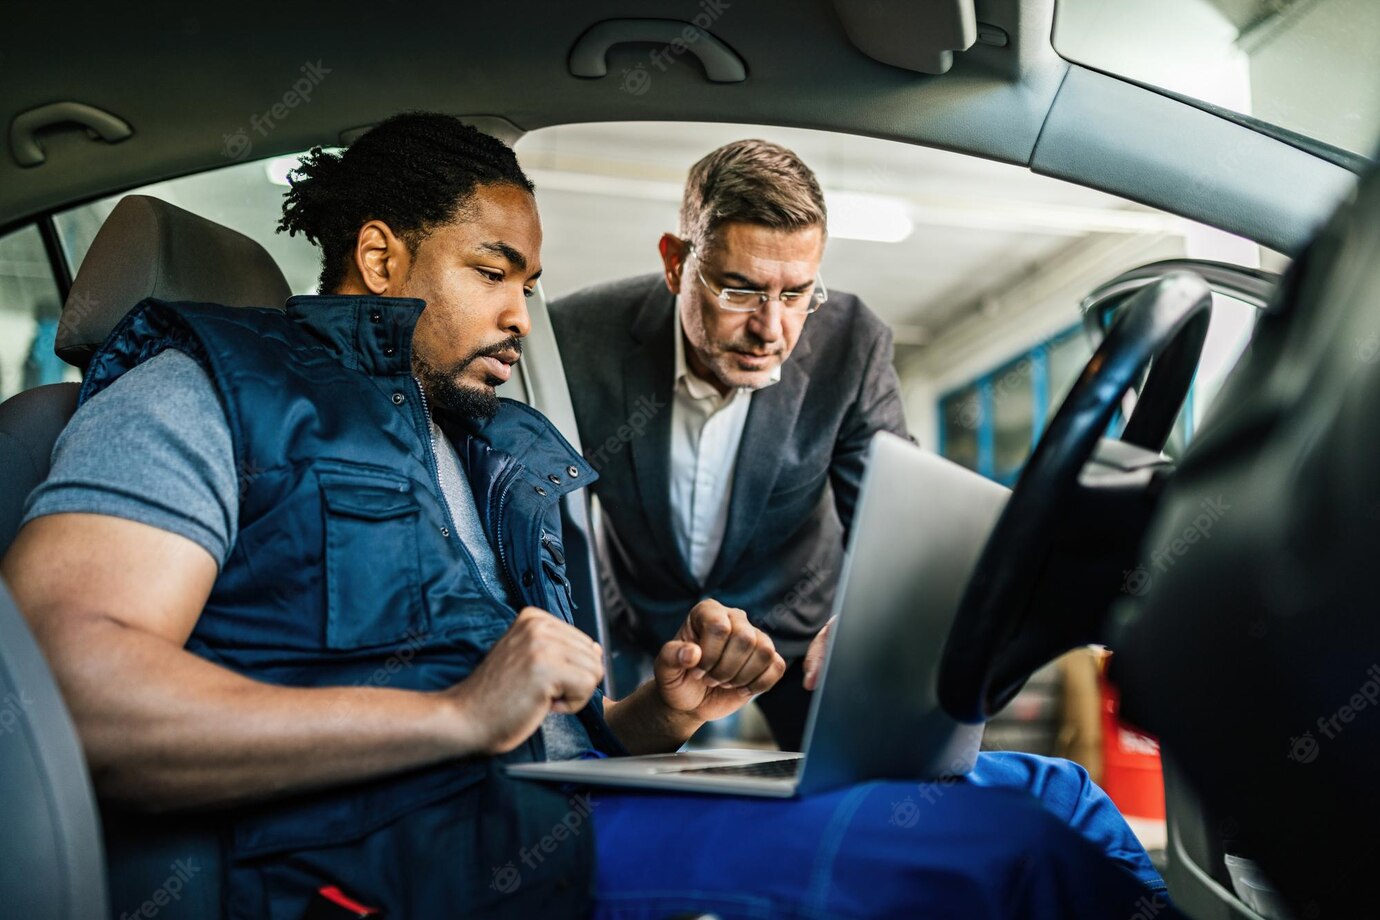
(1011,104)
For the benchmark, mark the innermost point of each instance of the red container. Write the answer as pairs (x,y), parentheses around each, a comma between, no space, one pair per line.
(1131,771)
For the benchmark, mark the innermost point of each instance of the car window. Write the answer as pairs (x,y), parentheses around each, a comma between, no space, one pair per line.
(1308,66)
(993,423)
(245,196)
(978,267)
(30,303)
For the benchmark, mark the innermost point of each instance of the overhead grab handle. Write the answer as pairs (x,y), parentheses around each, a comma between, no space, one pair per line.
(589,57)
(24,129)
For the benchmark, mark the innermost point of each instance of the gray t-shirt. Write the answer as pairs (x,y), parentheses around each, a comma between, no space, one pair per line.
(155,447)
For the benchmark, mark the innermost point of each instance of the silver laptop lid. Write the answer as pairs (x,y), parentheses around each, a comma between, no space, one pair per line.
(921,523)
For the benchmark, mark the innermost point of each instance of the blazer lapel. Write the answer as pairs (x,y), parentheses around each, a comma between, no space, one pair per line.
(771,419)
(647,382)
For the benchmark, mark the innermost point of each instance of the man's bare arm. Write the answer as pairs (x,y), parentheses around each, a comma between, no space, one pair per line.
(645,725)
(112,603)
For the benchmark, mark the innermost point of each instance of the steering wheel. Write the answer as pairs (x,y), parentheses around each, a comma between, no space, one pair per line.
(1053,563)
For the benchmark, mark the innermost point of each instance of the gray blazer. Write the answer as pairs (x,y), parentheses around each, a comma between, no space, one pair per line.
(799,465)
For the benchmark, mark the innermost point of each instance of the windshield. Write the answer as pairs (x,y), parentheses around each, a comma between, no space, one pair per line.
(1308,66)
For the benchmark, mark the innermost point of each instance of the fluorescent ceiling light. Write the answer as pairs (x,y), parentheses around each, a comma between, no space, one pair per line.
(278,168)
(852,215)
(890,218)
(864,216)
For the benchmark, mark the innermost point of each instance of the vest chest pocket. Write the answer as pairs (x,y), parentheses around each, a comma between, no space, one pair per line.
(373,572)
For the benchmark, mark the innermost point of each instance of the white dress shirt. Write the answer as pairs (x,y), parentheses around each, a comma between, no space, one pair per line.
(706,429)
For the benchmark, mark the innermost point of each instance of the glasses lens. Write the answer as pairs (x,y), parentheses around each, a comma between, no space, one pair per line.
(740,300)
(806,301)
(798,301)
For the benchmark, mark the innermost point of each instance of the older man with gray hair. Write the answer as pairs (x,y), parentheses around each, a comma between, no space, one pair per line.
(767,388)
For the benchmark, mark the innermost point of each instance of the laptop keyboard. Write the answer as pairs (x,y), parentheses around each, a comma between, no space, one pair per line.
(770,769)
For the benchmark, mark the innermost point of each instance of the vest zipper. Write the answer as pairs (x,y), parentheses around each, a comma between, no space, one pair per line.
(432,464)
(435,468)
(505,487)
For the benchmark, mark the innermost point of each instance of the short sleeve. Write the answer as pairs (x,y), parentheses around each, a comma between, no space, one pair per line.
(153,447)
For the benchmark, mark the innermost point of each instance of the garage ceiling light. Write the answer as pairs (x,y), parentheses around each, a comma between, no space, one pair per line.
(279,167)
(865,216)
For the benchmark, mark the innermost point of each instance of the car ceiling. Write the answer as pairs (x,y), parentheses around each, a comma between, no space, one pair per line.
(188,79)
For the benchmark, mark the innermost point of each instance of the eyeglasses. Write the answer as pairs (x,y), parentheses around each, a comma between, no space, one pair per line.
(743,300)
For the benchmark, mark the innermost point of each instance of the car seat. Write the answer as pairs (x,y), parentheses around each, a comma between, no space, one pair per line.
(145,248)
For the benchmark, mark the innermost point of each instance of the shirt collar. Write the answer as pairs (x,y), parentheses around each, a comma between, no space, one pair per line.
(695,385)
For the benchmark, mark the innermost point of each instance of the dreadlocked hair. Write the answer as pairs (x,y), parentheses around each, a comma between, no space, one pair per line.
(415,171)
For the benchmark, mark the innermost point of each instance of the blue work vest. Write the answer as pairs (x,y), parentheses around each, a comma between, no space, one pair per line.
(347,570)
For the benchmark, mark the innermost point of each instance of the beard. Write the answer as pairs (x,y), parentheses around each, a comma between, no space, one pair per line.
(723,363)
(725,366)
(470,402)
(719,359)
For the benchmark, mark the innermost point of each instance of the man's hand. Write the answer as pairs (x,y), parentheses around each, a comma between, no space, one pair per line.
(112,603)
(814,655)
(716,663)
(541,665)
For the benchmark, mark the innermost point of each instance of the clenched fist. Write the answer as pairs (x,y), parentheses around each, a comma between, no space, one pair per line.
(716,663)
(541,665)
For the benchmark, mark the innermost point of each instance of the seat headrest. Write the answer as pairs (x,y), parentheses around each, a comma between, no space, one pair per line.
(149,248)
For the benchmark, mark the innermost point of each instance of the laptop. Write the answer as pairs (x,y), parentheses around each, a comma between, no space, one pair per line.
(921,523)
